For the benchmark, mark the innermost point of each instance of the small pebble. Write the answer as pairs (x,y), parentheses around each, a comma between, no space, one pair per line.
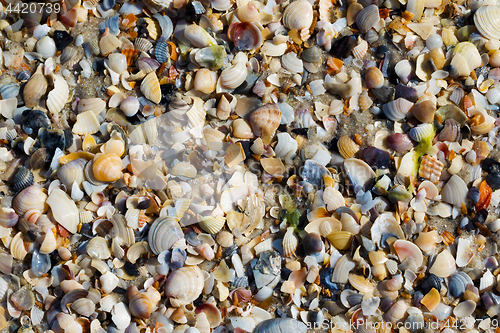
(64,253)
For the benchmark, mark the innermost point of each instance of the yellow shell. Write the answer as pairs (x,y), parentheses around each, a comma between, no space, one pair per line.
(242,129)
(107,167)
(347,147)
(265,121)
(273,166)
(150,87)
(341,240)
(361,284)
(212,224)
(431,300)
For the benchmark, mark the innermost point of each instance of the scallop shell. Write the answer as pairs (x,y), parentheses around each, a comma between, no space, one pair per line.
(34,89)
(444,265)
(30,198)
(58,97)
(86,123)
(184,285)
(290,243)
(265,121)
(298,15)
(486,20)
(142,44)
(150,87)
(212,224)
(397,109)
(64,210)
(360,50)
(455,191)
(107,167)
(347,147)
(163,234)
(291,63)
(367,18)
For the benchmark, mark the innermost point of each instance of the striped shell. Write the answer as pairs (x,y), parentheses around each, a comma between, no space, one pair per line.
(150,87)
(367,18)
(58,97)
(290,243)
(184,285)
(298,15)
(487,21)
(397,109)
(212,224)
(265,121)
(30,198)
(164,233)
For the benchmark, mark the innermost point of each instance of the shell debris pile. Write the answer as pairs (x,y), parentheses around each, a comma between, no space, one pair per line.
(249,166)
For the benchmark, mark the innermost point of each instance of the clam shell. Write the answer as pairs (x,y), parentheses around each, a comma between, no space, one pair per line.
(374,78)
(9,90)
(212,224)
(290,243)
(341,240)
(22,179)
(246,35)
(405,249)
(71,172)
(281,325)
(108,44)
(424,111)
(298,15)
(416,7)
(455,191)
(107,167)
(17,247)
(347,147)
(464,309)
(273,50)
(8,217)
(96,105)
(130,106)
(291,63)
(142,44)
(205,81)
(444,265)
(385,224)
(397,109)
(86,123)
(361,284)
(232,77)
(64,210)
(83,306)
(466,58)
(359,51)
(333,199)
(367,18)
(30,198)
(486,20)
(198,36)
(150,87)
(184,285)
(403,70)
(163,234)
(360,174)
(58,97)
(431,299)
(34,90)
(142,304)
(221,5)
(241,129)
(265,121)
(396,312)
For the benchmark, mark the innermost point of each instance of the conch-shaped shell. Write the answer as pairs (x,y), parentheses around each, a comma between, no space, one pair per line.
(299,15)
(150,87)
(184,285)
(265,121)
(64,210)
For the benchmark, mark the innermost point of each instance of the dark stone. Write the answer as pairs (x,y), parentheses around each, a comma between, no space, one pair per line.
(343,46)
(62,39)
(490,165)
(381,51)
(167,93)
(474,195)
(326,279)
(493,179)
(131,269)
(377,158)
(384,94)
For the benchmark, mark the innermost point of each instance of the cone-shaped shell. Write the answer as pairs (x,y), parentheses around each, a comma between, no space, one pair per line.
(185,284)
(265,121)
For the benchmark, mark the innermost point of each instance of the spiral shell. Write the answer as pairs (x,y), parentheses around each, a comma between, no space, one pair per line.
(367,18)
(164,233)
(30,198)
(184,285)
(150,87)
(487,21)
(107,167)
(34,90)
(265,121)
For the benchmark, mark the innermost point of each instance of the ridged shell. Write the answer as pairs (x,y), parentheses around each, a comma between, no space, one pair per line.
(396,312)
(142,44)
(49,243)
(281,325)
(86,123)
(150,87)
(455,191)
(487,21)
(34,90)
(221,5)
(367,18)
(164,233)
(286,147)
(466,58)
(265,121)
(233,76)
(185,284)
(30,198)
(148,65)
(422,132)
(341,240)
(360,50)
(107,167)
(64,210)
(167,28)
(291,63)
(83,306)
(298,15)
(22,179)
(108,44)
(58,97)
(333,199)
(290,243)
(347,147)
(397,109)
(212,224)
(403,70)
(72,172)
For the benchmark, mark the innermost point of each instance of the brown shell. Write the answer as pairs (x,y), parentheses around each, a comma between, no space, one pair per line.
(265,121)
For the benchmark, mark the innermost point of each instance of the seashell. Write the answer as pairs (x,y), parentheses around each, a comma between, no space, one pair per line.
(374,78)
(360,174)
(86,123)
(57,98)
(273,166)
(72,172)
(403,70)
(107,167)
(96,105)
(286,147)
(34,89)
(265,121)
(466,58)
(46,47)
(162,53)
(416,7)
(246,35)
(405,249)
(312,54)
(49,243)
(9,90)
(150,88)
(17,248)
(396,312)
(290,243)
(164,233)
(361,284)
(198,37)
(291,63)
(385,224)
(333,199)
(455,191)
(141,305)
(107,44)
(397,109)
(298,15)
(221,5)
(130,106)
(426,241)
(143,45)
(281,325)
(464,309)
(399,142)
(98,248)
(486,21)
(248,13)
(64,210)
(444,265)
(212,224)
(241,129)
(8,217)
(23,178)
(422,132)
(184,285)
(431,299)
(347,147)
(359,51)
(30,198)
(367,18)
(450,131)
(430,168)
(166,26)
(148,65)
(83,306)
(273,50)
(210,57)
(212,314)
(341,240)
(184,169)
(424,111)
(232,77)
(205,81)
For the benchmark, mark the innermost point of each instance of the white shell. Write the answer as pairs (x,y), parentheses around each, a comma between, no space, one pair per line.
(64,210)
(57,98)
(198,36)
(397,109)
(298,15)
(273,50)
(367,18)
(286,147)
(403,70)
(46,47)
(184,285)
(130,106)
(291,63)
(232,77)
(455,191)
(86,123)
(487,19)
(221,5)
(385,223)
